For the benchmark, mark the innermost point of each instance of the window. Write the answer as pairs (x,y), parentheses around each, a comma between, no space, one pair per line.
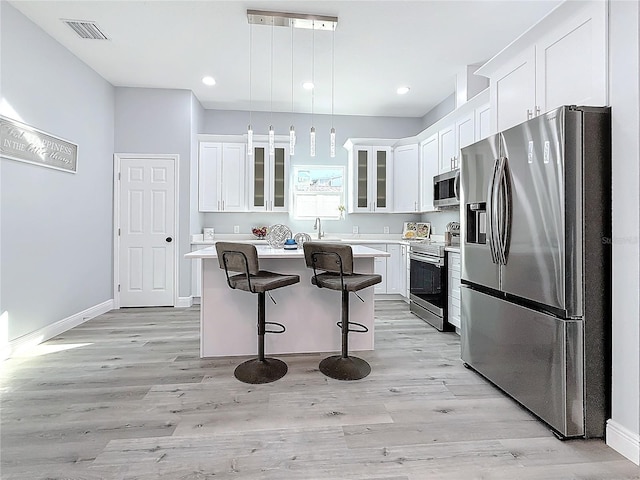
(318,191)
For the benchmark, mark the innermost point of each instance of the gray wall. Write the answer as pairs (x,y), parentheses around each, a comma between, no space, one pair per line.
(439,220)
(56,257)
(235,122)
(159,121)
(445,107)
(624,98)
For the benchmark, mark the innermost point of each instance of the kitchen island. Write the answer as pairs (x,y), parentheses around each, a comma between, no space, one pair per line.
(228,317)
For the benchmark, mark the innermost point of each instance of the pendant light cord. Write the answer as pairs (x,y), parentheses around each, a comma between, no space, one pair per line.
(313,67)
(250,71)
(333,70)
(292,104)
(271,115)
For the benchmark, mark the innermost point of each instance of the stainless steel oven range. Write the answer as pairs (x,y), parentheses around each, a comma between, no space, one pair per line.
(428,283)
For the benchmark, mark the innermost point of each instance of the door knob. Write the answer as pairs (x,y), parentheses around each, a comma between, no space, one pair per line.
(168,239)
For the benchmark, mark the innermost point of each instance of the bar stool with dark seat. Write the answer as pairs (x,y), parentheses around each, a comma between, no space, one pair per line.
(243,258)
(336,262)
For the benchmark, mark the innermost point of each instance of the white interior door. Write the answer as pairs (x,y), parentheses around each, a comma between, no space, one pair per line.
(147,232)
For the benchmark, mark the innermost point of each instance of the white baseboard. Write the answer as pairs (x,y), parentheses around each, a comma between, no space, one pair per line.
(623,441)
(30,340)
(184,302)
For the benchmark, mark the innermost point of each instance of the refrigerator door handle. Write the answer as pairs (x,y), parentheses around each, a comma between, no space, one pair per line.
(491,219)
(502,201)
(506,211)
(498,211)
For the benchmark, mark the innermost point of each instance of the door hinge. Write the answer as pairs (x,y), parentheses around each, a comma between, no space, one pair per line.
(118,287)
(119,176)
(118,232)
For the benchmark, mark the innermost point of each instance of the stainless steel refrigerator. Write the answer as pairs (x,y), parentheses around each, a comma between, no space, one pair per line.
(536,261)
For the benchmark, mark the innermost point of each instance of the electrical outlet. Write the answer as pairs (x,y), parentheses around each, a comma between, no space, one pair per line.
(355,229)
(386,230)
(236,229)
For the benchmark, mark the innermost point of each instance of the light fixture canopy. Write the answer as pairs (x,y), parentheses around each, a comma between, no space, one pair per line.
(308,85)
(295,20)
(403,90)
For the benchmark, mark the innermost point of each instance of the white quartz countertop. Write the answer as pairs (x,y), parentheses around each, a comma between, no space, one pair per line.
(452,248)
(355,239)
(264,251)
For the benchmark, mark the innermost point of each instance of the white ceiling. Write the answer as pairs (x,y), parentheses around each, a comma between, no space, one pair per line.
(379,46)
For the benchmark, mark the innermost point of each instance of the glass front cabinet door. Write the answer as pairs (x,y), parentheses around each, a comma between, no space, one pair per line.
(269,178)
(371,173)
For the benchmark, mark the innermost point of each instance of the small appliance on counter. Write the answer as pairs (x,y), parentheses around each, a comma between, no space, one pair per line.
(452,234)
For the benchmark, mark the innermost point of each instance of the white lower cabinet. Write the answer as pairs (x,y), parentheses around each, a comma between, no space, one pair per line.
(453,282)
(407,266)
(380,267)
(196,275)
(393,269)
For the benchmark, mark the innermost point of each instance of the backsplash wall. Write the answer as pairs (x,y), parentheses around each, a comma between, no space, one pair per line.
(367,223)
(439,220)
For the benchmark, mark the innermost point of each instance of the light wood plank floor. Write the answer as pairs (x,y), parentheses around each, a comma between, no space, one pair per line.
(125,396)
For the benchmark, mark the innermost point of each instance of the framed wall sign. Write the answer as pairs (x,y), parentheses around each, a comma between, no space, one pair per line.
(22,142)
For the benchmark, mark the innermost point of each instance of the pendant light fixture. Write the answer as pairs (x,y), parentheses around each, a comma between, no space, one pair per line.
(272,133)
(249,127)
(292,130)
(332,139)
(292,20)
(312,134)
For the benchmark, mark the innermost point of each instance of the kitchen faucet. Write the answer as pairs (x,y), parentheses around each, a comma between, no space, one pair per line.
(318,226)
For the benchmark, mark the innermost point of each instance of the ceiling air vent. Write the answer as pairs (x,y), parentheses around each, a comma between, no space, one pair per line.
(86,29)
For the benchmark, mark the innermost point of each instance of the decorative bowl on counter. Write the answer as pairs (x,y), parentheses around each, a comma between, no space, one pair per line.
(259,232)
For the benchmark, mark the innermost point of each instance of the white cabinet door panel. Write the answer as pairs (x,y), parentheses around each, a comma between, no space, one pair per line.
(447,144)
(234,178)
(514,93)
(210,155)
(429,152)
(406,179)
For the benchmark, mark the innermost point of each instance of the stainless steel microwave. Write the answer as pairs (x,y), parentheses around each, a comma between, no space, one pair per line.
(446,189)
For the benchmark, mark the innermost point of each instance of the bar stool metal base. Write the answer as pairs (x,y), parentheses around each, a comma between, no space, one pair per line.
(340,368)
(261,371)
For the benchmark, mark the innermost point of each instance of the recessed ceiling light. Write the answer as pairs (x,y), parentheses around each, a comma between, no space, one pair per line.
(208,80)
(307,85)
(403,90)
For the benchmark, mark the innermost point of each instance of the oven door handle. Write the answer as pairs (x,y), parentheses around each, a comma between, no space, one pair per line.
(437,261)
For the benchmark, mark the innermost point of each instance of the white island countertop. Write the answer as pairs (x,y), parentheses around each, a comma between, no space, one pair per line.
(265,251)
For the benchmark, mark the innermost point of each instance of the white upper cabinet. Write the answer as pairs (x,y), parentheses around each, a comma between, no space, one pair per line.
(221,177)
(371,172)
(513,91)
(447,143)
(571,61)
(452,138)
(483,121)
(269,178)
(562,60)
(406,179)
(429,155)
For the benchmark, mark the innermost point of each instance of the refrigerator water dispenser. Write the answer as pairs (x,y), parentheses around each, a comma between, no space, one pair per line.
(476,222)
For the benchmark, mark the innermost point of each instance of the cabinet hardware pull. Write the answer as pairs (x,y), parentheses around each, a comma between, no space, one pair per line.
(218,204)
(529,114)
(537,110)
